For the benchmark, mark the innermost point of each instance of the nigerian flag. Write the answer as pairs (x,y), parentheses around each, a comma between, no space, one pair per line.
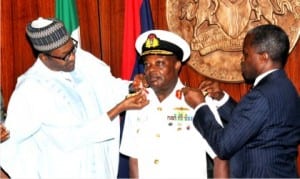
(65,10)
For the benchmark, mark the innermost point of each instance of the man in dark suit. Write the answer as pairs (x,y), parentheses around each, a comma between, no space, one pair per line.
(263,130)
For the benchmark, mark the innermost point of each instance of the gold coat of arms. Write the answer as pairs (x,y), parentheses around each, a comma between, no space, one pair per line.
(215,30)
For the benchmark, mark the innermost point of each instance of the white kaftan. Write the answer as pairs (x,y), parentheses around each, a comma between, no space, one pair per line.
(58,122)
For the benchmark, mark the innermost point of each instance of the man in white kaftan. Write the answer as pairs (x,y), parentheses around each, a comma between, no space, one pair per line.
(58,122)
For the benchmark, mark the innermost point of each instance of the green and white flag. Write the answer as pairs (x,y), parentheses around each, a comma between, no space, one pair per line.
(66,11)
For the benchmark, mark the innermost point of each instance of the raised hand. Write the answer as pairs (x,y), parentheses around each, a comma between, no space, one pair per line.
(136,101)
(212,88)
(139,82)
(193,96)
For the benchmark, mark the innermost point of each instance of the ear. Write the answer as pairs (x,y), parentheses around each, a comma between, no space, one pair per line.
(178,65)
(266,62)
(265,57)
(43,57)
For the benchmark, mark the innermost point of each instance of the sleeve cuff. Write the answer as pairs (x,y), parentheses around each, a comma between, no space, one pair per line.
(221,102)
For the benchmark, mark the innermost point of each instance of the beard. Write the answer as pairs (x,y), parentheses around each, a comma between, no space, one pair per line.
(247,79)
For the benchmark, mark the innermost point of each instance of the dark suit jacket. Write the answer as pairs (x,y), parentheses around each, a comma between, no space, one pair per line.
(263,130)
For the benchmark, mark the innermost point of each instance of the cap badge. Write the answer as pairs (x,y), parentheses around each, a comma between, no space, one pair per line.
(152,41)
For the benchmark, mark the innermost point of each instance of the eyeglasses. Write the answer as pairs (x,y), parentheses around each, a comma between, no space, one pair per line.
(68,55)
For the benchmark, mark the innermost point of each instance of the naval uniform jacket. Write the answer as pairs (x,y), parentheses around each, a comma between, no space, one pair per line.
(163,139)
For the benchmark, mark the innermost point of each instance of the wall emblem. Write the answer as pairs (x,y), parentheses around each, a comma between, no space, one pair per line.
(215,30)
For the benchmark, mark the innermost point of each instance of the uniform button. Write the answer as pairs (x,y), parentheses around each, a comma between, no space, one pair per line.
(156,161)
(159,108)
(157,135)
(137,131)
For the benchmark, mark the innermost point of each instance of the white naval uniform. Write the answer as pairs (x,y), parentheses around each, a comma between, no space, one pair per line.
(58,122)
(163,139)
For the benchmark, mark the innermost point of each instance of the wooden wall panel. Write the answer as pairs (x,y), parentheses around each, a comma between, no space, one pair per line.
(6,54)
(116,20)
(293,66)
(101,30)
(16,54)
(89,20)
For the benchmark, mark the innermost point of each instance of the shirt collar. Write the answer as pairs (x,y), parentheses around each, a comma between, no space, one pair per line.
(261,76)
